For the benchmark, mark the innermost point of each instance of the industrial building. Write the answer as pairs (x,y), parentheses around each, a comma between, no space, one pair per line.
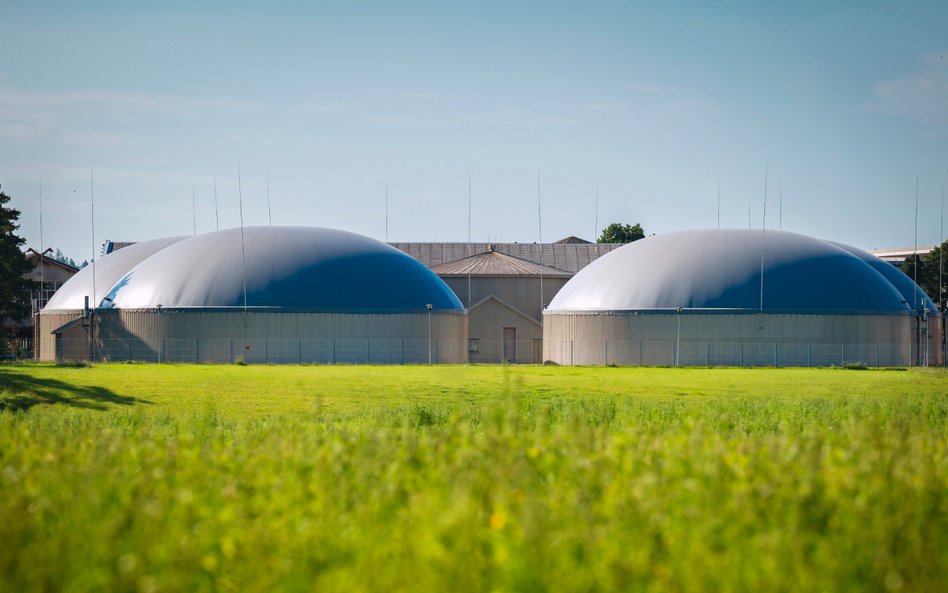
(740,298)
(505,287)
(260,294)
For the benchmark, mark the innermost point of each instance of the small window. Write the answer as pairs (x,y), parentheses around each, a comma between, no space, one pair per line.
(474,345)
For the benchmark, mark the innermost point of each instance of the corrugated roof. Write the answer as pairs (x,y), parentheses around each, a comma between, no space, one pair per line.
(493,263)
(562,256)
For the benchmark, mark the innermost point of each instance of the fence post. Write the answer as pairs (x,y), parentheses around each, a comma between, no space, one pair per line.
(775,354)
(332,357)
(640,353)
(709,353)
(571,352)
(742,354)
(299,351)
(842,354)
(607,352)
(368,352)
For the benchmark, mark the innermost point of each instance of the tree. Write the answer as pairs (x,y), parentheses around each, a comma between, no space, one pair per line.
(14,287)
(928,272)
(621,233)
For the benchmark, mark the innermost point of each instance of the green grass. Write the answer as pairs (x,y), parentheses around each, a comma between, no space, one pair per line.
(257,478)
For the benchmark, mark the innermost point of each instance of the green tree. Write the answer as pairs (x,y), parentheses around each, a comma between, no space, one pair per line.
(14,287)
(928,272)
(621,233)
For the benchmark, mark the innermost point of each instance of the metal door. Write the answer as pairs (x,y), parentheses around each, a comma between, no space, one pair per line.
(510,344)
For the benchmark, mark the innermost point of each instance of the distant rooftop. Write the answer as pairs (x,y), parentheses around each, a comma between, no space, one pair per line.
(568,257)
(898,255)
(493,263)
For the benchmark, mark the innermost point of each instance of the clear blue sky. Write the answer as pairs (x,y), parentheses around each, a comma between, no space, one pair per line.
(845,104)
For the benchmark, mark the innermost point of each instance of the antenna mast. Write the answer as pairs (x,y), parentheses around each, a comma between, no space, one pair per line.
(941,251)
(918,325)
(719,201)
(243,249)
(469,236)
(269,214)
(781,203)
(596,230)
(941,269)
(92,211)
(540,228)
(42,256)
(915,249)
(95,300)
(217,220)
(386,211)
(763,232)
(194,224)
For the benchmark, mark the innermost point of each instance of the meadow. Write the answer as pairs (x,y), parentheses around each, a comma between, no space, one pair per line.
(474,478)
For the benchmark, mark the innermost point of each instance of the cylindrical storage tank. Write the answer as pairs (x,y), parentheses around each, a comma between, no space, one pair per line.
(87,288)
(729,297)
(280,295)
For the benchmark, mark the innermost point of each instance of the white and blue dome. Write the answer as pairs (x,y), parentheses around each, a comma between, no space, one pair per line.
(721,270)
(108,270)
(289,268)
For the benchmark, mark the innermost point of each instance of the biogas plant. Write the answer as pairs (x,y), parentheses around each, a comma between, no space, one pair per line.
(300,295)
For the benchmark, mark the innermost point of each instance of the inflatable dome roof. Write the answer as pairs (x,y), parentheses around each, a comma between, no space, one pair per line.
(721,270)
(108,270)
(299,268)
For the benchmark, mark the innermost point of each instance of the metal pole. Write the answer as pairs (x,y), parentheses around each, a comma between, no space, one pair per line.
(428,307)
(678,338)
(158,330)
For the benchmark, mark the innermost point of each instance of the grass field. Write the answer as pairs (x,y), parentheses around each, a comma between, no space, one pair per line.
(257,478)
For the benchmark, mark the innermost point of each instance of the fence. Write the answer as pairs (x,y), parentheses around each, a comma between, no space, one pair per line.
(266,351)
(736,354)
(570,352)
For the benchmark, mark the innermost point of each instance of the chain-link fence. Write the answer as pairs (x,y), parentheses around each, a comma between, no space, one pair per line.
(441,351)
(735,354)
(266,351)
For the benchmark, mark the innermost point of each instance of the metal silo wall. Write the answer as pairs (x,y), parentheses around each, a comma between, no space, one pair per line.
(271,337)
(691,339)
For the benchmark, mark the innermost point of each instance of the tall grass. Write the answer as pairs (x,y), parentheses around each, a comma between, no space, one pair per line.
(526,480)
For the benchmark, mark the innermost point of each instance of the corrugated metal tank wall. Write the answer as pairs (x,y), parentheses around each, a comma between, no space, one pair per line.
(275,337)
(726,339)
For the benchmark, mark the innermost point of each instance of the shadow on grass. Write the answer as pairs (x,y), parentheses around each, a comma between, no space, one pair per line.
(20,391)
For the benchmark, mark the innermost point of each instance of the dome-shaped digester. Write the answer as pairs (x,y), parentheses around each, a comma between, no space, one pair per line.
(69,302)
(301,268)
(721,269)
(700,298)
(277,295)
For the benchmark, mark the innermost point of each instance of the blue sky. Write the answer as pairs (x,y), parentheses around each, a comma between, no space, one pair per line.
(842,104)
